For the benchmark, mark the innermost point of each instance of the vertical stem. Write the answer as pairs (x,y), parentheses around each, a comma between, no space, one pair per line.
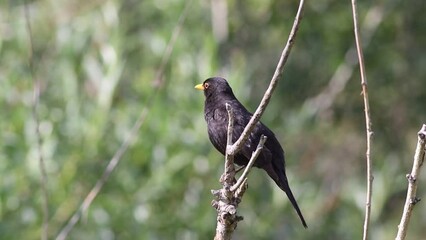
(229,158)
(226,205)
(34,111)
(413,178)
(369,132)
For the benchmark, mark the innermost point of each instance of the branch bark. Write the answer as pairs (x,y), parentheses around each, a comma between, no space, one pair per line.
(230,195)
(228,198)
(369,132)
(413,177)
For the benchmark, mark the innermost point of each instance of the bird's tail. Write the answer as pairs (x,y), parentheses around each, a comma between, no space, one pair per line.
(286,188)
(281,180)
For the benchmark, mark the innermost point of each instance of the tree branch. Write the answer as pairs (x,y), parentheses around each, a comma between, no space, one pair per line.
(322,102)
(411,199)
(229,173)
(34,112)
(369,132)
(247,169)
(228,198)
(272,85)
(226,204)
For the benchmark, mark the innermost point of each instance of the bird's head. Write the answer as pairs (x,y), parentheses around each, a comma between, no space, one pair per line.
(215,86)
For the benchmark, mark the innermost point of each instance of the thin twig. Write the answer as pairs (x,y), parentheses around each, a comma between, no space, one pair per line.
(250,164)
(324,100)
(413,178)
(34,111)
(369,132)
(230,125)
(273,83)
(134,131)
(229,173)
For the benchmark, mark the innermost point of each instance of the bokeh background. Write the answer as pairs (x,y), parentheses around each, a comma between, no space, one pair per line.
(97,63)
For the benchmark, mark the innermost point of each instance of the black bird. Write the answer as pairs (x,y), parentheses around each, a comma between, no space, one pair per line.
(218,92)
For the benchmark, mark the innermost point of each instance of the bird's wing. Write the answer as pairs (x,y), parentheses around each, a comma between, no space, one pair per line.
(217,129)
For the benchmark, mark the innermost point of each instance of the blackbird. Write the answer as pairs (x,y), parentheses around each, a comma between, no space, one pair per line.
(217,93)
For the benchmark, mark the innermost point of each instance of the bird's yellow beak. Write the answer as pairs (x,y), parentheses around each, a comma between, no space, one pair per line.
(199,86)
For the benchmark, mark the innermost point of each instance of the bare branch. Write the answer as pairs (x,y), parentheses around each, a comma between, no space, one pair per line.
(112,164)
(253,158)
(413,178)
(230,125)
(34,111)
(229,174)
(228,198)
(324,100)
(369,132)
(226,204)
(272,85)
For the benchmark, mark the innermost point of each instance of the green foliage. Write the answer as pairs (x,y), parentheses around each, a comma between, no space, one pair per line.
(97,62)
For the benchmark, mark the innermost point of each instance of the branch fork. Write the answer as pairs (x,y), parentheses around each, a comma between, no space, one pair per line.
(227,199)
(231,193)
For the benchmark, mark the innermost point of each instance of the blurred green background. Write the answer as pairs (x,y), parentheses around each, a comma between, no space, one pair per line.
(97,62)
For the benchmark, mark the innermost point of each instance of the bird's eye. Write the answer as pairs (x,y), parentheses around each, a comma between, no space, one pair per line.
(206,85)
